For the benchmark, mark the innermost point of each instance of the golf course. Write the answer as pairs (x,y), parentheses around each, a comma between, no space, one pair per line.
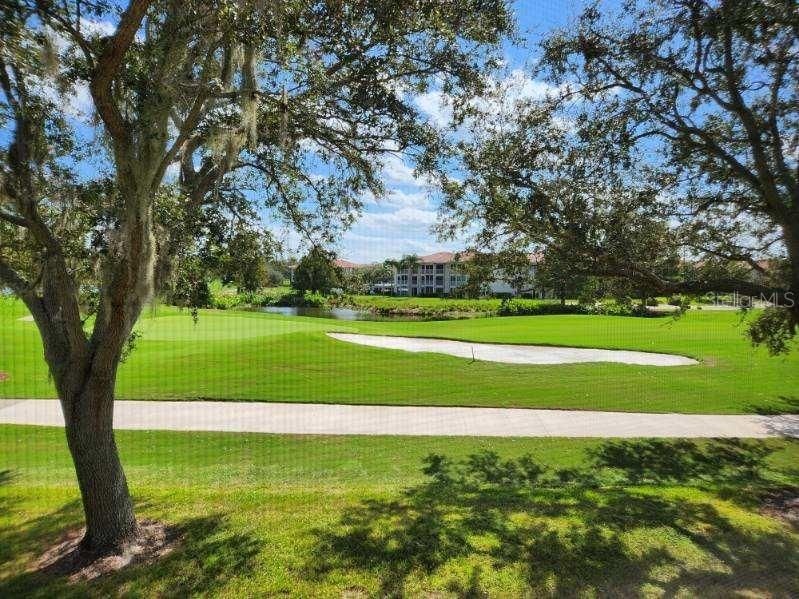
(357,517)
(360,516)
(253,356)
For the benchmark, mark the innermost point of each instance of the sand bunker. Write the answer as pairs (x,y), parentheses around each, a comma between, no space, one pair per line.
(515,354)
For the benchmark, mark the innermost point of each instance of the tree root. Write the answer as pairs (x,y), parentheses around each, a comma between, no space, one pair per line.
(68,557)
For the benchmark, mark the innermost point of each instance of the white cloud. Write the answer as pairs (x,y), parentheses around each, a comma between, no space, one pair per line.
(76,103)
(399,219)
(437,106)
(402,199)
(503,97)
(390,234)
(506,94)
(336,124)
(80,103)
(91,27)
(395,170)
(291,241)
(522,86)
(396,198)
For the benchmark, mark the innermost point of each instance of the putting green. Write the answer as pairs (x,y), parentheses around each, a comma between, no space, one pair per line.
(221,326)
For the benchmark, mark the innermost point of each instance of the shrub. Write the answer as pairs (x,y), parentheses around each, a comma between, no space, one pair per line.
(226,301)
(312,300)
(520,307)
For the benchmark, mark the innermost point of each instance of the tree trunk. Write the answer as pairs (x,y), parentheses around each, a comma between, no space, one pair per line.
(107,505)
(793,256)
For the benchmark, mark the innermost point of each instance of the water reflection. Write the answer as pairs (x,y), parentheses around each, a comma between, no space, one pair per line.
(341,313)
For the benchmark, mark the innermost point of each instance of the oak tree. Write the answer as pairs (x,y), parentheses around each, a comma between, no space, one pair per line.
(676,117)
(317,272)
(292,103)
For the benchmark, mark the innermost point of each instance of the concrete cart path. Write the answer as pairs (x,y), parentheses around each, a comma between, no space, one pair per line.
(324,419)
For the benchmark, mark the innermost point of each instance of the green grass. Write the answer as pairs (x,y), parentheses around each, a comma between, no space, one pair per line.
(233,355)
(266,515)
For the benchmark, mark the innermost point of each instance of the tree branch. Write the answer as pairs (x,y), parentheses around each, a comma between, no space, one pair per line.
(770,192)
(107,68)
(14,219)
(14,280)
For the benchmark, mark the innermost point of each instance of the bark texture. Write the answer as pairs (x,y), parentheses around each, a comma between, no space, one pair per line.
(107,505)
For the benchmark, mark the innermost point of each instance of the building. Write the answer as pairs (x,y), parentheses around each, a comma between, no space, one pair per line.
(439,274)
(346,266)
(432,275)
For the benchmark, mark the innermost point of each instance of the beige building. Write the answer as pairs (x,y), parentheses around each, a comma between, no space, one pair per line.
(439,274)
(435,274)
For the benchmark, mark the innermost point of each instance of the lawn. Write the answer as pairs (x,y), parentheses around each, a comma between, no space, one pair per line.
(236,355)
(356,516)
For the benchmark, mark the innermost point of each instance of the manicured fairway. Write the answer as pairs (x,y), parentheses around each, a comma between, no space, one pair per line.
(265,515)
(263,357)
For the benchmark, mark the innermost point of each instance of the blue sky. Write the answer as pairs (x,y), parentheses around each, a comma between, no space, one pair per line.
(400,223)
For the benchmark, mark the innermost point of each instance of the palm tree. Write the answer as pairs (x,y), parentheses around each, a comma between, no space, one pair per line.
(408,262)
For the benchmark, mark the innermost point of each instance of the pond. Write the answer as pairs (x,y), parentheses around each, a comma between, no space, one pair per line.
(333,313)
(342,313)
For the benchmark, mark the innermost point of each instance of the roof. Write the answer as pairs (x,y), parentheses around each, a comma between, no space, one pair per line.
(448,257)
(345,263)
(437,258)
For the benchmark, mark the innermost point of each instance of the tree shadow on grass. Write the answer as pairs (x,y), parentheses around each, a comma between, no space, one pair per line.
(680,461)
(790,406)
(206,557)
(25,537)
(209,555)
(594,530)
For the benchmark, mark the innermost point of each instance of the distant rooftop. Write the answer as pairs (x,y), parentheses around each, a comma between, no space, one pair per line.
(345,263)
(448,257)
(434,258)
(438,258)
